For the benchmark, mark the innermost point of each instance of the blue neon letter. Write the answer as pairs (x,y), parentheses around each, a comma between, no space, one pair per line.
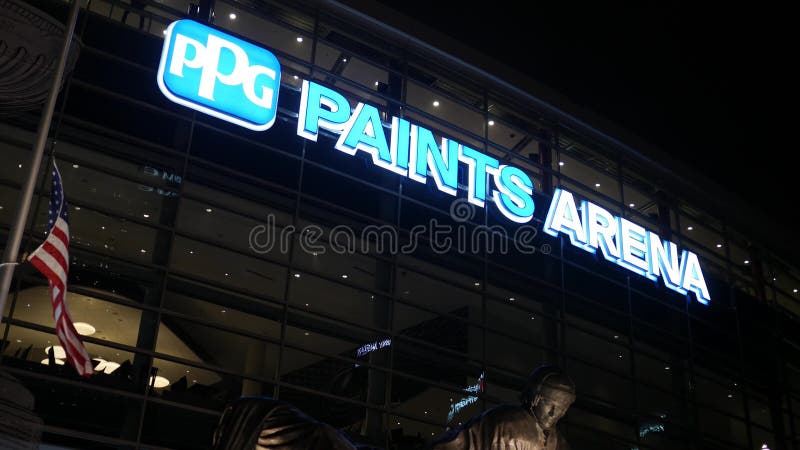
(312,115)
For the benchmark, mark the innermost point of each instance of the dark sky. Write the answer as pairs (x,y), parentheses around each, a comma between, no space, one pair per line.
(707,83)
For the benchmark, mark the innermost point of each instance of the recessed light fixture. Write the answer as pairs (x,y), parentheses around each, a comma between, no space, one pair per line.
(511,299)
(561,163)
(164,31)
(747,261)
(689,228)
(84,329)
(344,275)
(297,275)
(795,291)
(208,210)
(159,382)
(719,245)
(491,123)
(227,274)
(143,251)
(597,185)
(232,16)
(344,59)
(59,362)
(75,166)
(146,216)
(477,283)
(299,39)
(436,103)
(58,351)
(295,77)
(377,83)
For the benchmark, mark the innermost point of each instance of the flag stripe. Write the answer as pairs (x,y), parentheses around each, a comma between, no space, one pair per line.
(54,267)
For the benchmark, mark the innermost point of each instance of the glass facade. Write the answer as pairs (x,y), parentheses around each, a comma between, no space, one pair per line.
(191,260)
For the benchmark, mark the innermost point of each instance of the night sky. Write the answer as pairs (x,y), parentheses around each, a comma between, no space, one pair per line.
(708,84)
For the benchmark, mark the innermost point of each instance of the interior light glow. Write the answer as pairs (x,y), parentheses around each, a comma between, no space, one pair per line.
(299,39)
(84,329)
(491,123)
(232,16)
(46,362)
(436,103)
(159,382)
(58,351)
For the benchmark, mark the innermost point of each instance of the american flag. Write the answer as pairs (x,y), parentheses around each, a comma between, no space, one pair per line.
(52,260)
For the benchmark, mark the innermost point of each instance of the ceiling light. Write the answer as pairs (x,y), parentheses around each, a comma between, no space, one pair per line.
(795,291)
(344,59)
(143,251)
(295,77)
(477,283)
(75,166)
(690,228)
(597,185)
(110,367)
(299,39)
(297,275)
(58,351)
(719,245)
(59,362)
(146,216)
(747,261)
(164,31)
(232,16)
(631,205)
(561,163)
(491,123)
(159,382)
(344,275)
(436,103)
(208,210)
(84,329)
(511,299)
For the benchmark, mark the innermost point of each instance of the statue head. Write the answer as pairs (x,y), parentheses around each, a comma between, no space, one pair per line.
(548,394)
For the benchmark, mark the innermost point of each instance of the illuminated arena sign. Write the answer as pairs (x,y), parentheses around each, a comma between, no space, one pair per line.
(221,75)
(625,243)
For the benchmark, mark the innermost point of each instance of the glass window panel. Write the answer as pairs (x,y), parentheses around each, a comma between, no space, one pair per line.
(207,345)
(226,227)
(241,313)
(725,397)
(104,320)
(354,306)
(722,427)
(114,368)
(598,384)
(225,267)
(82,409)
(179,428)
(271,34)
(587,429)
(437,294)
(589,348)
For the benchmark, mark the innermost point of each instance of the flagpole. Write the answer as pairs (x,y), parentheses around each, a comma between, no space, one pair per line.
(11,252)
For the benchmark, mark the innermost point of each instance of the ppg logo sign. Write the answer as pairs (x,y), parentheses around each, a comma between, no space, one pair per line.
(215,73)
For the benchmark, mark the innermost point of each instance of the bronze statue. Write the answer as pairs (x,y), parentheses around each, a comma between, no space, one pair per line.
(263,423)
(531,425)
